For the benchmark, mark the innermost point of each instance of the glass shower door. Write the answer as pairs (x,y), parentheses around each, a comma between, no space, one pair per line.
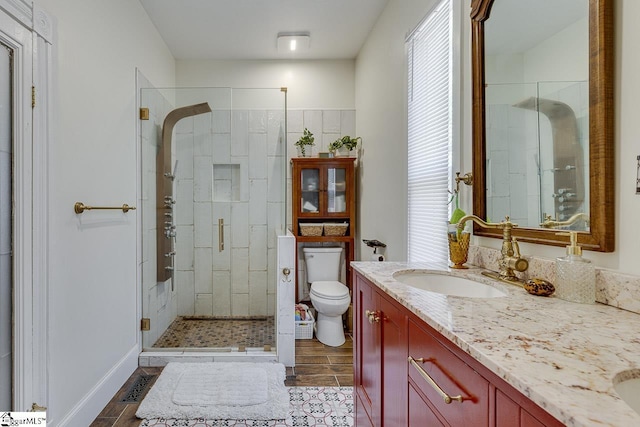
(229,199)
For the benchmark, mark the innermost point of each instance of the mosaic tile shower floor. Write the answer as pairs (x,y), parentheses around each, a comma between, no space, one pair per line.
(202,332)
(309,407)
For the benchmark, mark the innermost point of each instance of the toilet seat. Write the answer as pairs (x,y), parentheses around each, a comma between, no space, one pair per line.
(330,290)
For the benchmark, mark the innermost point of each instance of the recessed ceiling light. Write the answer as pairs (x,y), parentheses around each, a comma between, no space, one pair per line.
(293,42)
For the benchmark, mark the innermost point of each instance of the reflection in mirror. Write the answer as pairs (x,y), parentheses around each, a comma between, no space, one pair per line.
(537,110)
(543,118)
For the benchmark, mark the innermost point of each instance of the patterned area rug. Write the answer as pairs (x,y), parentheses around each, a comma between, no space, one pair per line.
(309,407)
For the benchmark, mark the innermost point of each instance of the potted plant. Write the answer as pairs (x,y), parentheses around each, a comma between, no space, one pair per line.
(458,239)
(346,142)
(307,138)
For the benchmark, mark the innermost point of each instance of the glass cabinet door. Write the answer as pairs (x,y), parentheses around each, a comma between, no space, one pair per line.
(336,190)
(310,186)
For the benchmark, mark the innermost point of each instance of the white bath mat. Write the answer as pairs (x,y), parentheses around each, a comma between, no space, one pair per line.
(206,385)
(218,391)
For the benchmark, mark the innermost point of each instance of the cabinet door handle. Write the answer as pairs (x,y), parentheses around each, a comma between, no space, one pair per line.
(372,316)
(447,399)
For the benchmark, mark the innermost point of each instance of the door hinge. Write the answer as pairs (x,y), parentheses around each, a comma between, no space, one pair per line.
(33,97)
(144,113)
(145,324)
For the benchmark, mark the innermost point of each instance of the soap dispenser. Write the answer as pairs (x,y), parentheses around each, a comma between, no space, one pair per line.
(575,276)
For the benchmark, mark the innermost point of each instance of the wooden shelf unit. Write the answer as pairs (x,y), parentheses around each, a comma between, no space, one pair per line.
(323,191)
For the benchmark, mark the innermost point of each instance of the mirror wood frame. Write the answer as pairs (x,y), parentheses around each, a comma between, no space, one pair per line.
(601,236)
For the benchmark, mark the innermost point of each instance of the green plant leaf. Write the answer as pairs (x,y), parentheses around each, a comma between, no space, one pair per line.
(456,216)
(307,138)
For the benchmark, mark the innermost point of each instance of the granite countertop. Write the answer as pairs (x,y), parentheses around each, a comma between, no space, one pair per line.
(562,355)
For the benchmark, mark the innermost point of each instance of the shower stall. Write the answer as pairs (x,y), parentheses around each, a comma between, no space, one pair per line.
(213,199)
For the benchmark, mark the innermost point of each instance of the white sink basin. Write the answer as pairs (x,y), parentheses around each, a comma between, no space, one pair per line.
(629,389)
(447,285)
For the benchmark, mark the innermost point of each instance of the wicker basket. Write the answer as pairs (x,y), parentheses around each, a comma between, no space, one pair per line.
(335,228)
(310,229)
(304,328)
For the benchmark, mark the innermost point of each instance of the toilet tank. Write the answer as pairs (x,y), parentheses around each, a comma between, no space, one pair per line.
(322,263)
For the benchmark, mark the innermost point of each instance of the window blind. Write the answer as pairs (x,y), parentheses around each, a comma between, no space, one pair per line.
(430,112)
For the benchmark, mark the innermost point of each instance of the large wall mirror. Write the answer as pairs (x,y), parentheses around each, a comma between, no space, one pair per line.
(543,117)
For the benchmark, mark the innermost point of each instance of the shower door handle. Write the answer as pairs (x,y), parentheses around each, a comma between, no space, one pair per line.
(220,234)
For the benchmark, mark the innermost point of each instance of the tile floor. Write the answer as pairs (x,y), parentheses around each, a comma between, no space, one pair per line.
(220,333)
(316,365)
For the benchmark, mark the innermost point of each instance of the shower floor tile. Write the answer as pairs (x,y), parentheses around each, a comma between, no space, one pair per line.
(215,332)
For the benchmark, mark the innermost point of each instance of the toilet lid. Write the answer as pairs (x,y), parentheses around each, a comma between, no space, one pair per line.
(329,289)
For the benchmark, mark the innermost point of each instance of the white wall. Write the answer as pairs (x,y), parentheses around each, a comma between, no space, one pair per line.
(93,292)
(626,139)
(380,106)
(562,57)
(311,84)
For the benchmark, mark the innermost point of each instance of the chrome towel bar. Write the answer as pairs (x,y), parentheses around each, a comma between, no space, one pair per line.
(80,207)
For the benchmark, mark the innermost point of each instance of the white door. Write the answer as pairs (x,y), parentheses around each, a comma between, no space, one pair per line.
(22,370)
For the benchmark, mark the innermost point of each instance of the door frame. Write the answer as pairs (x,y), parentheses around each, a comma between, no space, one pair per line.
(28,30)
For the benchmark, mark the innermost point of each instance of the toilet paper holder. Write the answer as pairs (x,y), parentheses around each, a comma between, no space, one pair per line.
(376,245)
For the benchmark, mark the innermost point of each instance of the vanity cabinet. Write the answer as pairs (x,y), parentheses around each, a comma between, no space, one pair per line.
(323,192)
(404,369)
(380,363)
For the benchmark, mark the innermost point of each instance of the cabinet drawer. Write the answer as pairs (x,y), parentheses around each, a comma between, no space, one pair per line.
(420,414)
(511,414)
(452,375)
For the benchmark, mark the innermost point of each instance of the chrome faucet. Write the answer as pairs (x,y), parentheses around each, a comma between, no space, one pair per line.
(511,260)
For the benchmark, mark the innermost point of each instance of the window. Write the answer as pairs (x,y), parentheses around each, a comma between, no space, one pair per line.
(431,69)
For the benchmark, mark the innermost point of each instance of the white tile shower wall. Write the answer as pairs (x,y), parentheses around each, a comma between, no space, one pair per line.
(236,175)
(331,121)
(508,163)
(160,301)
(326,126)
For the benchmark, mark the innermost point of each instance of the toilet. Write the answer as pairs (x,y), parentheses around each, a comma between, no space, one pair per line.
(329,297)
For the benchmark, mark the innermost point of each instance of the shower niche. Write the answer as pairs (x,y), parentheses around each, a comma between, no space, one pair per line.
(227,183)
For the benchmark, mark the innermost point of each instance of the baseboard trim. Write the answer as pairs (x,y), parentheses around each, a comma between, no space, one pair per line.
(90,406)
